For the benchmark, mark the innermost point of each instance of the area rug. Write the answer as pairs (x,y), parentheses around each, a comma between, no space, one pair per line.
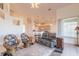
(35,50)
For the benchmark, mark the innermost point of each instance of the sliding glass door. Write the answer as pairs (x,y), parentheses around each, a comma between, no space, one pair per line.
(67,29)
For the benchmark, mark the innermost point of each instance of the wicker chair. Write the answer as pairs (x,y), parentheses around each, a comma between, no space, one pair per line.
(10,43)
(24,39)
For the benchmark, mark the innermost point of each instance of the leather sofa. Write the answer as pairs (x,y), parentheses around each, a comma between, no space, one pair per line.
(48,39)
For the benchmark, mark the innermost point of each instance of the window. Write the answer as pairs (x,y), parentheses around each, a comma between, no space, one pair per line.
(69,29)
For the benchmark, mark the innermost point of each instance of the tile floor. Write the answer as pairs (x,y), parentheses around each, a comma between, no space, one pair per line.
(69,50)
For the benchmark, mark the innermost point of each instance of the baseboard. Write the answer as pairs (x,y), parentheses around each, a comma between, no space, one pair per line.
(70,44)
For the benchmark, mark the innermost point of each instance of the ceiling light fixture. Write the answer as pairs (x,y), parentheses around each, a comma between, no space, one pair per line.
(35,5)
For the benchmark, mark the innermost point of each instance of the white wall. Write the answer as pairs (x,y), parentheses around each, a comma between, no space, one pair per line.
(67,12)
(7,27)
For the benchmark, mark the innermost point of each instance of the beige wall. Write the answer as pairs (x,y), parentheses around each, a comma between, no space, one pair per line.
(68,11)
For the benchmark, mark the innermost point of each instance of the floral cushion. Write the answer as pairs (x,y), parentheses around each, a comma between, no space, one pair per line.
(10,39)
(24,37)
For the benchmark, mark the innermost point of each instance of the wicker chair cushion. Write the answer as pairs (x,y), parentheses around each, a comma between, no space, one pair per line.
(10,39)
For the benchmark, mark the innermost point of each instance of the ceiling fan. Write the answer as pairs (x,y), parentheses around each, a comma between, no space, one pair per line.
(35,5)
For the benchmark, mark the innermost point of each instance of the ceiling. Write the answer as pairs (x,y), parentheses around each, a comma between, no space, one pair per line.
(25,9)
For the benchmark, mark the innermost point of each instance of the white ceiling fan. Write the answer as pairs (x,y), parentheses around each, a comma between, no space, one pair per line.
(35,5)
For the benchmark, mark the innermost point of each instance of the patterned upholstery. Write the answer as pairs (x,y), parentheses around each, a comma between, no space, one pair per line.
(45,35)
(10,41)
(24,38)
(47,39)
